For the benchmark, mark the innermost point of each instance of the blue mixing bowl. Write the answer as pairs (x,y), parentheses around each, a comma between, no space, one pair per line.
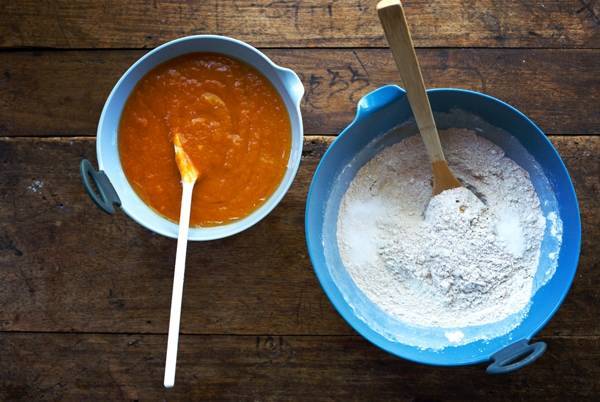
(387,108)
(113,187)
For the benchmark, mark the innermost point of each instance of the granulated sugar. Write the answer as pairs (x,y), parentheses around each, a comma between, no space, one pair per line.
(452,261)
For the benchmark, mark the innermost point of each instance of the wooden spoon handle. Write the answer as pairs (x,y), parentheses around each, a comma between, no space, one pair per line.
(182,240)
(397,34)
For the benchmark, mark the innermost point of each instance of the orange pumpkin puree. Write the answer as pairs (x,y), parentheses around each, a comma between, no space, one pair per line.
(232,123)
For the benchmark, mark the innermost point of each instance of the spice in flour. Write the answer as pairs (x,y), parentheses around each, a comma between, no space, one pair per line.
(452,261)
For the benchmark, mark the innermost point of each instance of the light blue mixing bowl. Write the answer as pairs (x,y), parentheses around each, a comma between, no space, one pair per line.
(379,112)
(112,187)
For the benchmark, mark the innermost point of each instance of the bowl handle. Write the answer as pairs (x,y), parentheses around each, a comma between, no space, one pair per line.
(378,99)
(515,356)
(292,83)
(105,196)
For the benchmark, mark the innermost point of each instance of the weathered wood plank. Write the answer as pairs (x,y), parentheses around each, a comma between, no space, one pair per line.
(66,266)
(62,93)
(293,23)
(312,368)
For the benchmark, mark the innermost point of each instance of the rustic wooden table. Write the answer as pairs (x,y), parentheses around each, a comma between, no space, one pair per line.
(84,297)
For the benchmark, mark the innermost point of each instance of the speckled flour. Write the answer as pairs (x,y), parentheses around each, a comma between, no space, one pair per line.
(451,261)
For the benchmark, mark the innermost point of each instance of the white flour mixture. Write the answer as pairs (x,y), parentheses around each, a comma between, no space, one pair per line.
(451,261)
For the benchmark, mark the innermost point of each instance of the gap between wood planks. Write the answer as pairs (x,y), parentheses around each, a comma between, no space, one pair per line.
(280,48)
(307,137)
(224,334)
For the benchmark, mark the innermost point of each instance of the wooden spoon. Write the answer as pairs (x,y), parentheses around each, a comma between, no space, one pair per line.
(189,175)
(397,34)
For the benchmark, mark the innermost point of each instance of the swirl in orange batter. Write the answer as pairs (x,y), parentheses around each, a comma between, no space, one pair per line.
(232,123)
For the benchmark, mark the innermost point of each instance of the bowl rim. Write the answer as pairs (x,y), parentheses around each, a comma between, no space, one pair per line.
(338,301)
(296,132)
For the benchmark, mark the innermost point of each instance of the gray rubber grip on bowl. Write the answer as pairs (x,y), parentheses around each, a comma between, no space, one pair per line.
(515,356)
(105,196)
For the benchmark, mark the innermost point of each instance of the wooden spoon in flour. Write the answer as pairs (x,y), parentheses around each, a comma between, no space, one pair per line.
(397,34)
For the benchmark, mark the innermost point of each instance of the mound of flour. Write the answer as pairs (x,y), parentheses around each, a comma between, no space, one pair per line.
(451,261)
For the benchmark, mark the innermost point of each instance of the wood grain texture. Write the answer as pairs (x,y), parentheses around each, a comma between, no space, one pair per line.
(62,92)
(271,368)
(67,266)
(298,23)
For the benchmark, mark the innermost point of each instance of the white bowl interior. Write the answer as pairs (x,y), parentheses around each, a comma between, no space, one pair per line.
(391,328)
